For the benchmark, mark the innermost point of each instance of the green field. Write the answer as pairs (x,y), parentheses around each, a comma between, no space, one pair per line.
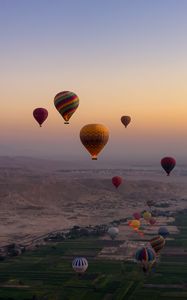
(46,273)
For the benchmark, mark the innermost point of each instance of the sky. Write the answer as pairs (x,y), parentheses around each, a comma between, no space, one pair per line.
(121,57)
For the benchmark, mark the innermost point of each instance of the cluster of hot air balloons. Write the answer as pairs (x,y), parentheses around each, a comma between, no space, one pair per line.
(65,102)
(94,137)
(146,257)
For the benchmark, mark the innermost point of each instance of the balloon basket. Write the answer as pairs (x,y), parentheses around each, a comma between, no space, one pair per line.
(94,158)
(66,122)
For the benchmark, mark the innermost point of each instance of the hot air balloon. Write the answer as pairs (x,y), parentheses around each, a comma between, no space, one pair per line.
(113,232)
(80,265)
(163,231)
(94,137)
(146,257)
(66,103)
(117,180)
(168,163)
(135,224)
(157,243)
(137,215)
(125,120)
(146,215)
(152,221)
(40,114)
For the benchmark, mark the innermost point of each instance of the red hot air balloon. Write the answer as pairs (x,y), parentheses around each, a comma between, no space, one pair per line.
(152,221)
(125,120)
(117,180)
(168,163)
(137,215)
(40,115)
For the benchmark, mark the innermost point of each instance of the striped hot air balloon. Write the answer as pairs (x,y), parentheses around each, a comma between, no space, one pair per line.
(146,257)
(157,243)
(66,103)
(80,265)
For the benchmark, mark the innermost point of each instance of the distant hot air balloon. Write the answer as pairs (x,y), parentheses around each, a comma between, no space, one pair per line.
(146,215)
(146,257)
(94,137)
(66,103)
(168,163)
(113,232)
(157,243)
(80,265)
(125,120)
(40,114)
(152,221)
(117,180)
(137,215)
(135,224)
(163,231)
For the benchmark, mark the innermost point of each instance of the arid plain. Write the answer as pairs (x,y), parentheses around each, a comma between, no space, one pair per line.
(40,196)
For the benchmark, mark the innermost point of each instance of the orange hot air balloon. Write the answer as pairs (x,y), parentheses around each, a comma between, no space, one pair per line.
(94,137)
(125,120)
(135,224)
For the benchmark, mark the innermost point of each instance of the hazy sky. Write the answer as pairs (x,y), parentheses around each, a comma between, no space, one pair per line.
(121,57)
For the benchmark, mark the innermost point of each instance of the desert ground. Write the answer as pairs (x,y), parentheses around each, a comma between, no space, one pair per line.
(40,196)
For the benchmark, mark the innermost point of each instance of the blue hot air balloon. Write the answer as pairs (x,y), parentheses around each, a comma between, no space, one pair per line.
(80,265)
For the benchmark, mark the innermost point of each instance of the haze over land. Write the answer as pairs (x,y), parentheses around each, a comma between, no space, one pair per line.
(39,196)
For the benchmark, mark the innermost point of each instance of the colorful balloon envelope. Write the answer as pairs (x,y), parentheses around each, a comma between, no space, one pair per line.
(94,137)
(40,114)
(163,231)
(66,103)
(125,120)
(135,224)
(147,215)
(80,265)
(152,221)
(117,181)
(168,163)
(157,243)
(113,232)
(137,215)
(146,257)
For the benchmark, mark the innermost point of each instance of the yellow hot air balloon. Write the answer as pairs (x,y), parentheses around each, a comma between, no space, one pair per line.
(94,137)
(147,215)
